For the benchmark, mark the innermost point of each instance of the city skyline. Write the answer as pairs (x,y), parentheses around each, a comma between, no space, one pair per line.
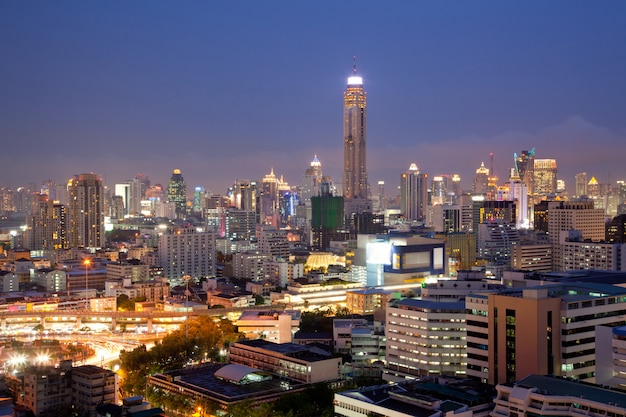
(225,92)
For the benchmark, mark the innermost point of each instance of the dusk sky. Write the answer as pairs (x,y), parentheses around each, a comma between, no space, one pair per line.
(225,90)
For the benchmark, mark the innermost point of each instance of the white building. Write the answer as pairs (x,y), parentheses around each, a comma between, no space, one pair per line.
(281,272)
(544,395)
(250,264)
(186,251)
(53,280)
(424,338)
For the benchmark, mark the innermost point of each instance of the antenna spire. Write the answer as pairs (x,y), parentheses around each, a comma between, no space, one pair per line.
(355,65)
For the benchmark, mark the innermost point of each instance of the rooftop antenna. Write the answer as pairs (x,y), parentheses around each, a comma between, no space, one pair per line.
(355,65)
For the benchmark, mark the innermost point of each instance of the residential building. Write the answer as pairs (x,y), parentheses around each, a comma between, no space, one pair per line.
(250,264)
(273,241)
(564,216)
(86,212)
(185,251)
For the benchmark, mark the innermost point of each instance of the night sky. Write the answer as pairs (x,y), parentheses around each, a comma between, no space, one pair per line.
(226,90)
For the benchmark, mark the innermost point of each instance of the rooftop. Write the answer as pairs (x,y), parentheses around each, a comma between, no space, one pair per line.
(562,387)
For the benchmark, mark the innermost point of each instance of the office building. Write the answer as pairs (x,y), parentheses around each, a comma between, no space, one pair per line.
(86,212)
(481,180)
(177,193)
(581,185)
(496,240)
(582,255)
(413,193)
(525,169)
(531,257)
(616,229)
(426,336)
(327,218)
(288,360)
(545,177)
(545,330)
(434,397)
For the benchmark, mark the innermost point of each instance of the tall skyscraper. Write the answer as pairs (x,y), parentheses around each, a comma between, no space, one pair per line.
(545,177)
(581,184)
(177,193)
(413,193)
(354,139)
(481,180)
(525,168)
(86,211)
(46,227)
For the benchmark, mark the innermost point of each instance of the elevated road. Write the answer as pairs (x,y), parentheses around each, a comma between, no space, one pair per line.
(112,318)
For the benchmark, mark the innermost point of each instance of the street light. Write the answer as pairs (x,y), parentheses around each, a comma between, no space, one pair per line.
(87,262)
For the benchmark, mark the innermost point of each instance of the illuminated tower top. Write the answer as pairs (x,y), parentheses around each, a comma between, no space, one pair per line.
(177,193)
(355,183)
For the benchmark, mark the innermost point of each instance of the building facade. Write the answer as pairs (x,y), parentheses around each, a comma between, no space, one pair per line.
(86,211)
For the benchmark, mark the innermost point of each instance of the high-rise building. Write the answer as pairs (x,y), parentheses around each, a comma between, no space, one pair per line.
(525,167)
(177,193)
(273,241)
(244,195)
(413,193)
(86,211)
(545,177)
(185,251)
(565,216)
(47,226)
(355,185)
(327,217)
(545,330)
(581,184)
(311,181)
(481,180)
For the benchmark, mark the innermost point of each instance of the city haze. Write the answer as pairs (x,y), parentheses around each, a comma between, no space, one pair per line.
(226,91)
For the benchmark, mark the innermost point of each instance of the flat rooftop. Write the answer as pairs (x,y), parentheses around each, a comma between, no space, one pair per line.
(203,381)
(563,387)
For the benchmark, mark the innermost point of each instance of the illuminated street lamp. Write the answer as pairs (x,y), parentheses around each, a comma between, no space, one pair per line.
(42,358)
(87,262)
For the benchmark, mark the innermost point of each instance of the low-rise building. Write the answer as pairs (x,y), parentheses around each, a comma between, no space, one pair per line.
(288,360)
(273,325)
(540,396)
(423,398)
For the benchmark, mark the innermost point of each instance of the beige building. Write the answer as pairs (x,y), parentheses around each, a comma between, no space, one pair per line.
(564,216)
(531,257)
(133,269)
(541,330)
(277,326)
(288,360)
